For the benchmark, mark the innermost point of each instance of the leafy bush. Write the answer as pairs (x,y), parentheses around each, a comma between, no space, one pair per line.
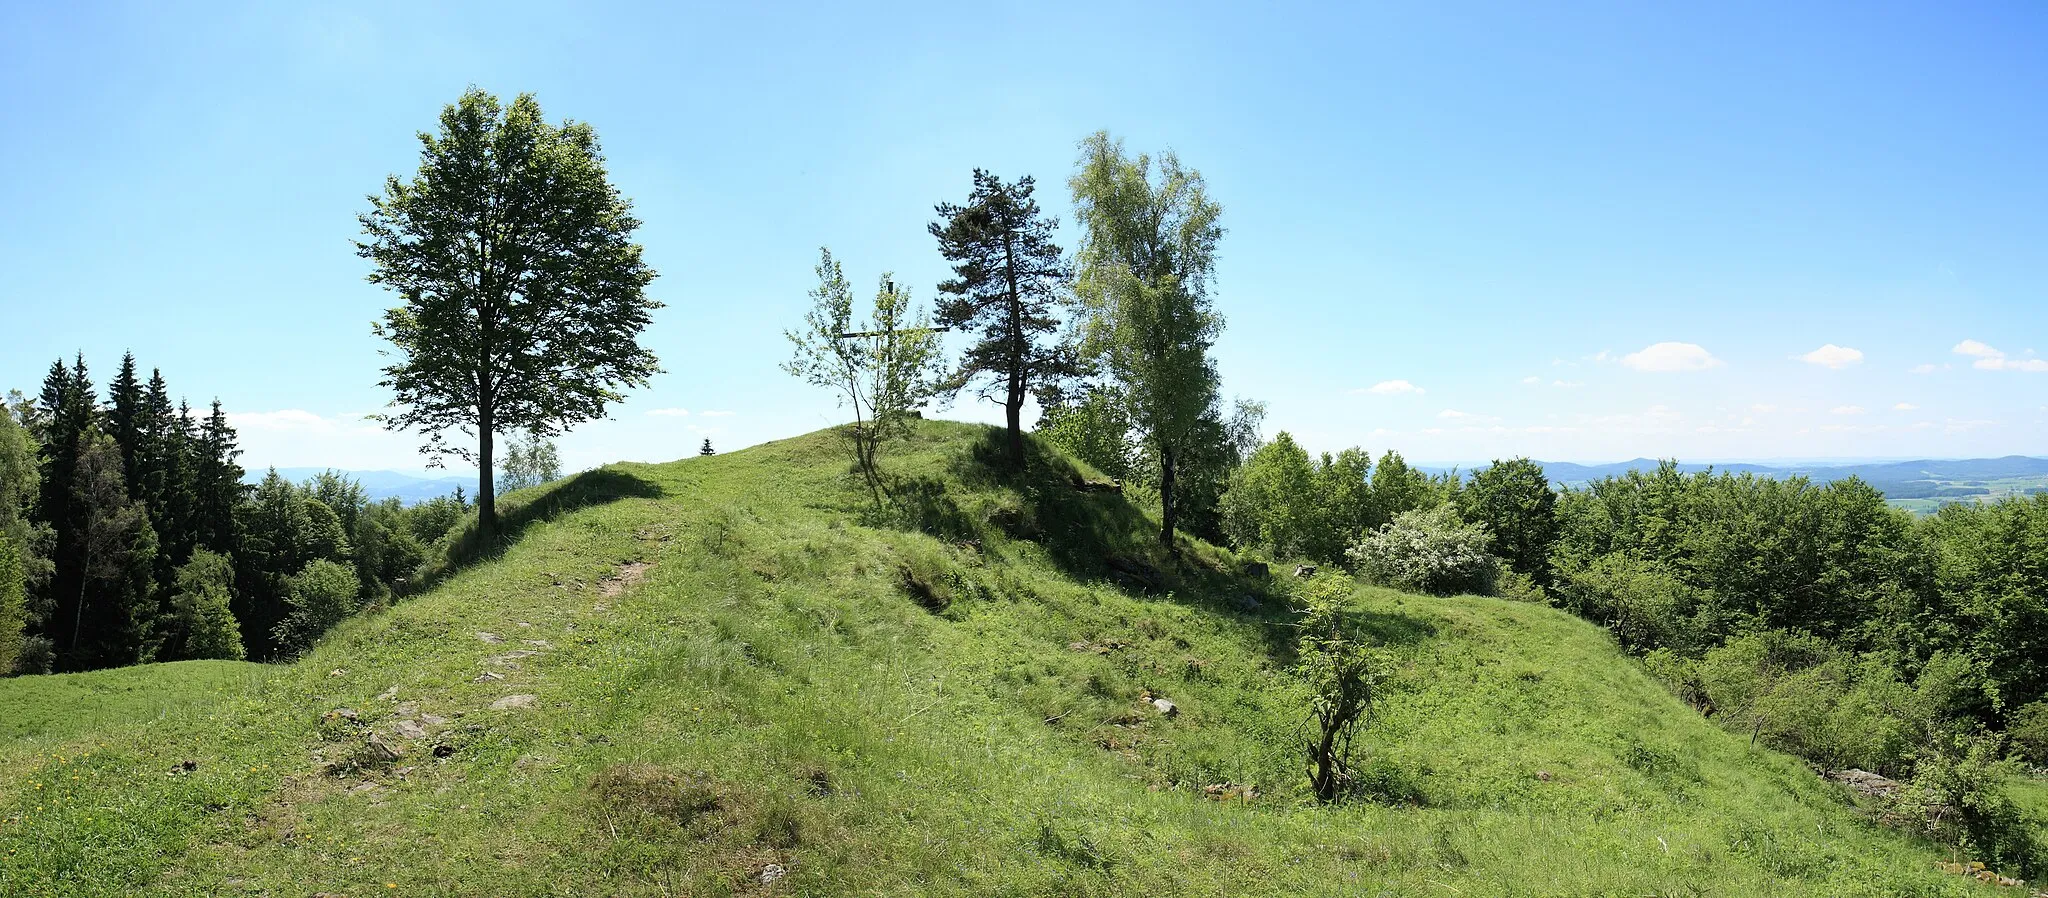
(320,596)
(201,624)
(1958,796)
(1343,676)
(1642,602)
(2029,731)
(1428,550)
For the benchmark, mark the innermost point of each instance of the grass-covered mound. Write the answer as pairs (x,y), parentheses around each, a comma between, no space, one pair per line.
(728,675)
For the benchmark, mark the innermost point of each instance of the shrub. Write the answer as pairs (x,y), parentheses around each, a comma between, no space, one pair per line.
(1343,677)
(1958,796)
(1641,602)
(201,624)
(1428,550)
(320,596)
(2029,731)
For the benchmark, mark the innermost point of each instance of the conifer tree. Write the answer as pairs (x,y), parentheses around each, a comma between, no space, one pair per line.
(217,485)
(68,412)
(706,449)
(1008,278)
(108,621)
(273,526)
(125,422)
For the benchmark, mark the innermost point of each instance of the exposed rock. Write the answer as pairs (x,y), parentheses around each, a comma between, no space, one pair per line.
(511,702)
(388,694)
(409,730)
(377,751)
(433,720)
(1165,707)
(1866,783)
(1229,791)
(1304,570)
(348,714)
(488,676)
(773,872)
(537,643)
(491,638)
(1543,775)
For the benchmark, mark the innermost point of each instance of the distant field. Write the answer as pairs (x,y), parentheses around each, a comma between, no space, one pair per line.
(1911,497)
(64,705)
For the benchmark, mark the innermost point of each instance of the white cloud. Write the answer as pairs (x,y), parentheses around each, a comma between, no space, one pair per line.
(1846,410)
(1532,379)
(1567,383)
(1991,359)
(717,414)
(1905,407)
(1454,413)
(1670,356)
(1392,388)
(669,412)
(1763,408)
(1832,356)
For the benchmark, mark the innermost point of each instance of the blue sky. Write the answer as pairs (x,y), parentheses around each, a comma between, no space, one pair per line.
(1708,231)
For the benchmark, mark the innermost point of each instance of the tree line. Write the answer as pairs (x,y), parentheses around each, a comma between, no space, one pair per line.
(1813,618)
(128,534)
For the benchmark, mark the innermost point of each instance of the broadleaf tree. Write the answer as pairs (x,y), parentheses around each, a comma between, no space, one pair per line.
(524,293)
(886,367)
(1145,266)
(1009,279)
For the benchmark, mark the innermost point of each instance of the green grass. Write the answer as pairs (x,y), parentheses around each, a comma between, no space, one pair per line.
(944,699)
(65,705)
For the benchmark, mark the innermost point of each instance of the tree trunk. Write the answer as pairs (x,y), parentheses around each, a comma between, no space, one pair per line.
(1013,410)
(1324,780)
(486,489)
(1167,509)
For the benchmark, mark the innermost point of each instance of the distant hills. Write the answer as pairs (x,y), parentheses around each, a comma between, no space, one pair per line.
(406,488)
(1905,483)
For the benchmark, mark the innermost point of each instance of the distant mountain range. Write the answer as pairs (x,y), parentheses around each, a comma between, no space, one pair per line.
(406,488)
(1927,478)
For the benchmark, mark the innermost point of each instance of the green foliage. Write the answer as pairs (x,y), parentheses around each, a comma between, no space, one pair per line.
(318,597)
(1515,503)
(1343,676)
(1008,278)
(1429,551)
(108,621)
(201,625)
(2029,731)
(776,687)
(13,606)
(530,462)
(1991,566)
(1272,502)
(524,292)
(1957,795)
(20,483)
(1398,489)
(1642,602)
(886,371)
(1145,266)
(1095,429)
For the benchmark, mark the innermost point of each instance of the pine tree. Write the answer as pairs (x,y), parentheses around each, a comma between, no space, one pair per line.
(706,450)
(1008,278)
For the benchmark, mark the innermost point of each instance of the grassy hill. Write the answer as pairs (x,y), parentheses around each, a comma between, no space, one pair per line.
(680,677)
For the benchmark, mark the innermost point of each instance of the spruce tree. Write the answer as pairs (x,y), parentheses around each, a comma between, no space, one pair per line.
(217,485)
(1008,278)
(125,422)
(68,412)
(706,450)
(108,621)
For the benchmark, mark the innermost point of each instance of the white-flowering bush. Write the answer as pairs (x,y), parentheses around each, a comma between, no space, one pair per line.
(1428,550)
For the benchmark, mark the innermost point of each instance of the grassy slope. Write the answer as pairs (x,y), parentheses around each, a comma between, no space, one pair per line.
(771,694)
